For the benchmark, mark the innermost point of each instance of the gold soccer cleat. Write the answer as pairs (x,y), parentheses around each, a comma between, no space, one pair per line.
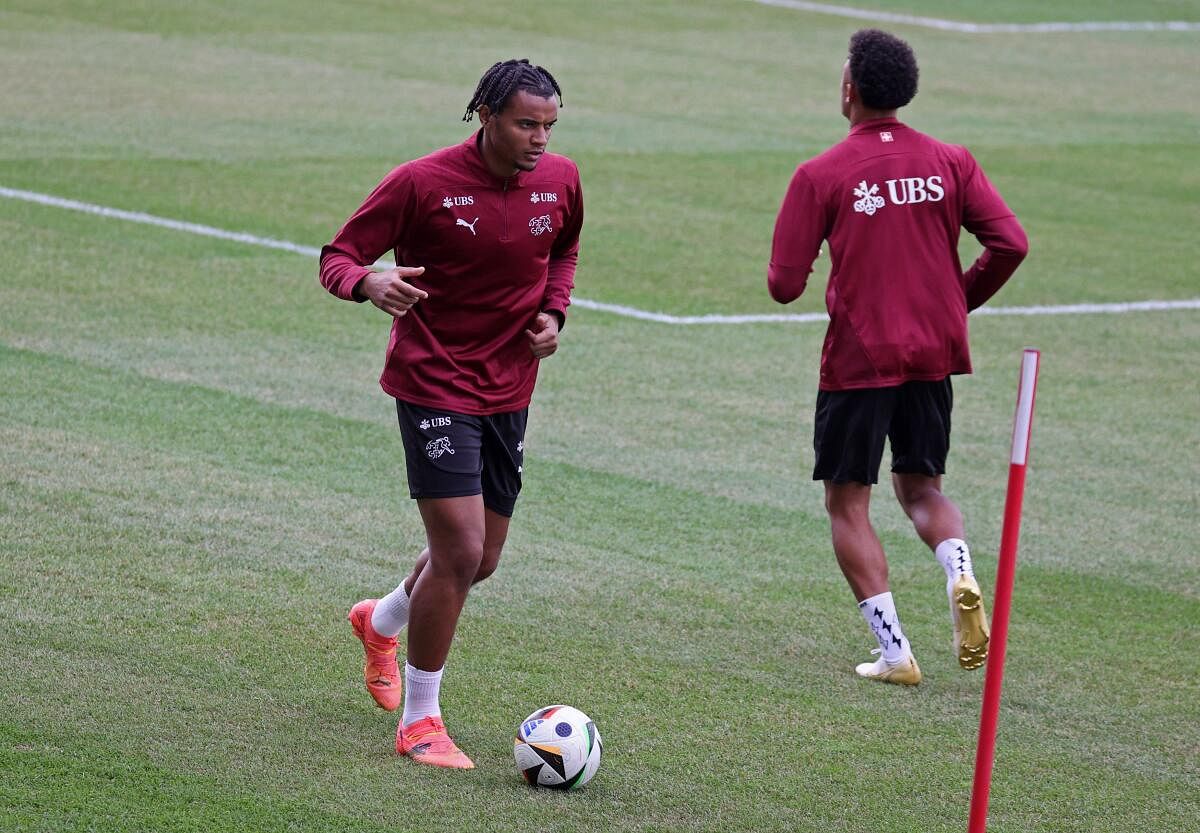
(970,622)
(904,672)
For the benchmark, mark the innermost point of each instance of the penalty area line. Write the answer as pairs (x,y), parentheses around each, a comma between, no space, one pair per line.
(986,28)
(584,303)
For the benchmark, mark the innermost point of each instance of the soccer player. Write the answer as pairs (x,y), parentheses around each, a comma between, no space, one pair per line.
(486,236)
(890,201)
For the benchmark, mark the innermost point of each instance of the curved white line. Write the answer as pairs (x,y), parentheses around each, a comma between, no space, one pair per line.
(599,306)
(987,28)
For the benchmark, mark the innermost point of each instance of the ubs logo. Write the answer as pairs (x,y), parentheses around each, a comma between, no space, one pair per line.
(914,189)
(450,202)
(907,191)
(543,196)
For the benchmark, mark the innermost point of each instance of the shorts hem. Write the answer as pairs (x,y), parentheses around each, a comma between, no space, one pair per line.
(841,480)
(426,495)
(503,511)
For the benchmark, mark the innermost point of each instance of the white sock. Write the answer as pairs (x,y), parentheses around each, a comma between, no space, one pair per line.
(880,613)
(955,558)
(391,612)
(421,693)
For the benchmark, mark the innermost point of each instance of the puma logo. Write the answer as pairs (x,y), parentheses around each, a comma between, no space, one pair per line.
(465,224)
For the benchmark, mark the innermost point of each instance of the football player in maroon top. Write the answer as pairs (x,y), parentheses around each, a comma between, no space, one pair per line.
(891,202)
(485,236)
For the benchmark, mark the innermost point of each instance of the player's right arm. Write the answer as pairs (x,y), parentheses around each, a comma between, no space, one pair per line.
(377,227)
(389,290)
(799,230)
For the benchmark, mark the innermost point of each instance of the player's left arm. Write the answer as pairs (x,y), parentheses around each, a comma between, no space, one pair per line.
(543,335)
(994,225)
(560,278)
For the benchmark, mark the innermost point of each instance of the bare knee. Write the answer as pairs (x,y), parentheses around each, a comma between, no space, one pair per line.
(848,504)
(489,563)
(495,534)
(915,490)
(458,559)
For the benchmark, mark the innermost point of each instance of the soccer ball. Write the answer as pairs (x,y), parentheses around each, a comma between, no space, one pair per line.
(558,747)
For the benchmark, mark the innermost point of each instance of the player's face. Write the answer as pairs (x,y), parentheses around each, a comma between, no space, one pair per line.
(516,137)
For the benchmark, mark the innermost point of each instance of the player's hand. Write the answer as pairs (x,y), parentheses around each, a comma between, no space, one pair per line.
(543,336)
(389,290)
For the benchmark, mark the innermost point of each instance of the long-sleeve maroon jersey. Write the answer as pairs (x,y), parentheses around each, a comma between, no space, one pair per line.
(891,201)
(496,252)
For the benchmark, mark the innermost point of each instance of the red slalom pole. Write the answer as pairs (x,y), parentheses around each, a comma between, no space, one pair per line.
(985,752)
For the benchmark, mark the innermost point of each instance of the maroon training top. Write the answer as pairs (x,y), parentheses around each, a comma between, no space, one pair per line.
(496,252)
(891,201)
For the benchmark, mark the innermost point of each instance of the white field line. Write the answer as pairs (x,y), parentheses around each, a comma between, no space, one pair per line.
(151,220)
(615,309)
(987,28)
(810,317)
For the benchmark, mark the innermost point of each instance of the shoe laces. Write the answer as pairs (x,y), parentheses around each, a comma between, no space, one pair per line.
(427,727)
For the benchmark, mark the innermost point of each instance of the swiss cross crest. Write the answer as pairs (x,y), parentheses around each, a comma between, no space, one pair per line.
(437,447)
(540,225)
(868,201)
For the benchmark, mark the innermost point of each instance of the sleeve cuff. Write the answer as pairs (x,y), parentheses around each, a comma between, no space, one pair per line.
(560,315)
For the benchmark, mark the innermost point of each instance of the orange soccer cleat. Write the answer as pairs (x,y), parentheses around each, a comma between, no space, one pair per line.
(380,672)
(426,742)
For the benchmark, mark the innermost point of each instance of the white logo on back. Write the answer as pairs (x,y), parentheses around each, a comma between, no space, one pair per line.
(869,202)
(906,191)
(914,189)
(465,224)
(540,225)
(885,136)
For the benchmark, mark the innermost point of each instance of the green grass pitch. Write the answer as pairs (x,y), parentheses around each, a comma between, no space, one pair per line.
(199,474)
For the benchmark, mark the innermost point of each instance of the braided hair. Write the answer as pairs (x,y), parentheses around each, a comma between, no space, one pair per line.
(507,77)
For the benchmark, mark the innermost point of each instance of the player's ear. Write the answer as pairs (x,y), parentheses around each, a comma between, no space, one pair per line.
(485,114)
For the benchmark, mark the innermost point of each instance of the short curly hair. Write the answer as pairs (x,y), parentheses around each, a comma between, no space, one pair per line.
(883,68)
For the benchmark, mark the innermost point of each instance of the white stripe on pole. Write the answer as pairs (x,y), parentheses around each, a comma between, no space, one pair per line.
(1024,418)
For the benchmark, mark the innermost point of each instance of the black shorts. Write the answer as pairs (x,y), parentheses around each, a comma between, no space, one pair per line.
(455,455)
(850,426)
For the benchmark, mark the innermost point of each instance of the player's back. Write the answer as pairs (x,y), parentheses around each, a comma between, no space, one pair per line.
(893,203)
